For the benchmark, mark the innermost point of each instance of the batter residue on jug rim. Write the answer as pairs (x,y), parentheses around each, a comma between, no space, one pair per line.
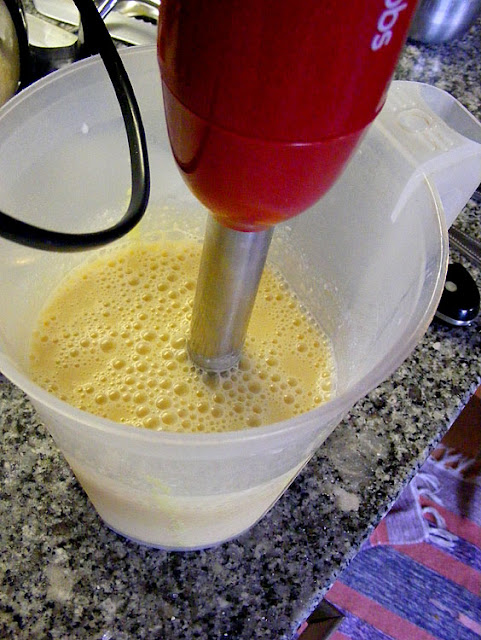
(112,341)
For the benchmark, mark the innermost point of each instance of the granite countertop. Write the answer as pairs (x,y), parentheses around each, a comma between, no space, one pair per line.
(65,575)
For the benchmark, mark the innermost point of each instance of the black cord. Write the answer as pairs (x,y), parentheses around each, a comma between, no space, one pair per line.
(98,40)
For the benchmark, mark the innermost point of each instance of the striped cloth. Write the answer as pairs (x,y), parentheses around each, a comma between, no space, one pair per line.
(419,575)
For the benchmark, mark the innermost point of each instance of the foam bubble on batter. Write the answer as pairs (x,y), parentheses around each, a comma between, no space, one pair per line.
(112,341)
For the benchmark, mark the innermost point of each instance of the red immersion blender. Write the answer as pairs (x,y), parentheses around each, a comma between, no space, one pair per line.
(265,102)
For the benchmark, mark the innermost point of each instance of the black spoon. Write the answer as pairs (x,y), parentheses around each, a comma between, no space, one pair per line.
(460,301)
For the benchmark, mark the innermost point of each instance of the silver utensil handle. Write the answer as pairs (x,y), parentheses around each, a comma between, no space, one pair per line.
(466,245)
(106,6)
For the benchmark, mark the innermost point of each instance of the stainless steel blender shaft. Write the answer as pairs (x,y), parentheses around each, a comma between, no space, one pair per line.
(230,270)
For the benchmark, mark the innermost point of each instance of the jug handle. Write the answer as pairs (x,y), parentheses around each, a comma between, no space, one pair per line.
(97,37)
(455,193)
(439,139)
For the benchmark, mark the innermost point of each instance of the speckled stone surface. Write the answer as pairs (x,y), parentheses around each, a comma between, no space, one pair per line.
(64,575)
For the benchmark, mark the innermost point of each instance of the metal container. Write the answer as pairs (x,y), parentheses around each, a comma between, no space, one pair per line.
(437,21)
(14,56)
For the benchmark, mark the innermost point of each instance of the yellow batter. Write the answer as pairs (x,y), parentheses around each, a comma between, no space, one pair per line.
(112,341)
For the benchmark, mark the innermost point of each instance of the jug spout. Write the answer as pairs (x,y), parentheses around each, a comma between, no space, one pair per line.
(436,139)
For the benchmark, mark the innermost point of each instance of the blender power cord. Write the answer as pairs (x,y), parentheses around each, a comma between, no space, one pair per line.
(97,40)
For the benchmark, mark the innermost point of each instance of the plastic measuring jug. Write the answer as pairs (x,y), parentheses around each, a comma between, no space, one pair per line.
(369,261)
